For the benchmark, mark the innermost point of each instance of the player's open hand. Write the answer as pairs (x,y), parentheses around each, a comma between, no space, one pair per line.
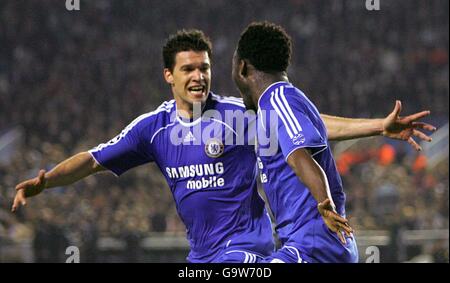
(404,128)
(28,189)
(334,221)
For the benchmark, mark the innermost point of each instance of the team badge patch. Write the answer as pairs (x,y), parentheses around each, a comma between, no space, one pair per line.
(298,139)
(214,148)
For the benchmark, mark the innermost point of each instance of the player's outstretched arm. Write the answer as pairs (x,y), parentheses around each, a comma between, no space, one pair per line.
(312,175)
(67,172)
(392,126)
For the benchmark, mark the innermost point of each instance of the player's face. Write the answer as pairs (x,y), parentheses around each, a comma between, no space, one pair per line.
(241,82)
(190,78)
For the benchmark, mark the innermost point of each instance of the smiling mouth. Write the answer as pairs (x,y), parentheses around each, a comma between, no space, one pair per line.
(197,90)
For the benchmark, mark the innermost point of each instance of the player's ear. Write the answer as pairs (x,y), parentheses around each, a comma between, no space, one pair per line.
(243,68)
(168,76)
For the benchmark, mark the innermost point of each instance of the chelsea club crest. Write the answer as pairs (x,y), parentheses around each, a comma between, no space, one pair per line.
(214,148)
(299,139)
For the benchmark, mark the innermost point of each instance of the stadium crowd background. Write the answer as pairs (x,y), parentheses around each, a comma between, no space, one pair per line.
(70,80)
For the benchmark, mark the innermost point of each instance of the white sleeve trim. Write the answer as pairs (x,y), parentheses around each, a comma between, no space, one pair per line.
(95,159)
(299,147)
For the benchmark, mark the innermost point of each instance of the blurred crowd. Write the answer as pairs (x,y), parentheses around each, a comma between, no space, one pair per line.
(389,189)
(70,80)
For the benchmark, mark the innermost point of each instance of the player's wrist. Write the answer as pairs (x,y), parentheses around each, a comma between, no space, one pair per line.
(379,127)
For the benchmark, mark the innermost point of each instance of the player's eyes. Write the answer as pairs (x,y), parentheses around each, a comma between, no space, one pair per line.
(188,70)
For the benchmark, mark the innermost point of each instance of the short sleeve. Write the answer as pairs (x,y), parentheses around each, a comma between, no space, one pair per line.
(127,150)
(295,127)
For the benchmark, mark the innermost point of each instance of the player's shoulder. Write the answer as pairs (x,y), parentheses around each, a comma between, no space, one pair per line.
(299,101)
(227,102)
(283,95)
(156,118)
(289,91)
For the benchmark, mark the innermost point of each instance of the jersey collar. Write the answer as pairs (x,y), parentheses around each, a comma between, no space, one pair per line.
(191,122)
(271,87)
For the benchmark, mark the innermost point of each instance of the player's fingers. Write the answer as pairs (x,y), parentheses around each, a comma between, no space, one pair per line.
(347,229)
(21,186)
(339,218)
(341,237)
(333,227)
(346,224)
(26,184)
(425,126)
(325,203)
(414,144)
(417,116)
(41,177)
(421,135)
(19,199)
(15,204)
(397,108)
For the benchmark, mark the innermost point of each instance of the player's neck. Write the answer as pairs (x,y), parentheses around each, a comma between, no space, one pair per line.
(190,111)
(262,81)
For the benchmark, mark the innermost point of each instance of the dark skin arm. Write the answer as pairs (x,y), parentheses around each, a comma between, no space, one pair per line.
(312,175)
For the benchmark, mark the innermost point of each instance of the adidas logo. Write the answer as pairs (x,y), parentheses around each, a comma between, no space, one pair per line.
(189,137)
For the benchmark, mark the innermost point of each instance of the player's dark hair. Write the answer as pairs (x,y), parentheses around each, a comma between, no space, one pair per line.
(267,46)
(185,40)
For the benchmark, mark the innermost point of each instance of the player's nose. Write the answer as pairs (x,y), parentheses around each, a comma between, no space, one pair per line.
(198,75)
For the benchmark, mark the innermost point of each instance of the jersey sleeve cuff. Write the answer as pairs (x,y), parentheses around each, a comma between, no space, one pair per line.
(322,146)
(91,152)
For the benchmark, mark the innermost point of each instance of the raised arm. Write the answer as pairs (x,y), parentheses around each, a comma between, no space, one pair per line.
(67,172)
(340,128)
(392,126)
